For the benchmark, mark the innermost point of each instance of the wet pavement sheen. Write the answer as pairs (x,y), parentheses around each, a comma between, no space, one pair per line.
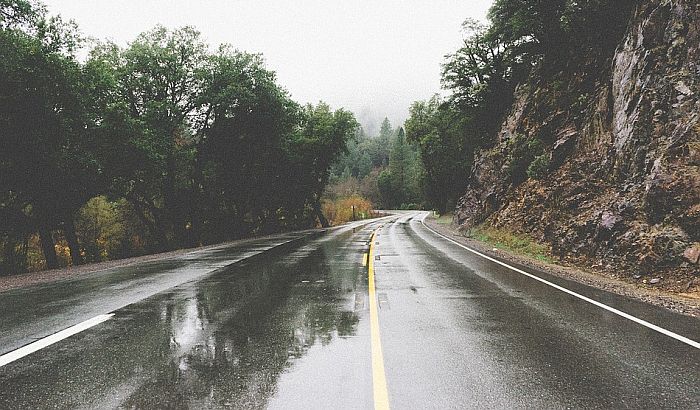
(290,329)
(37,311)
(225,341)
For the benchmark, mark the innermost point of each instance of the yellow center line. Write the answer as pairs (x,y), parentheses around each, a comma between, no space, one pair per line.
(381,395)
(364,259)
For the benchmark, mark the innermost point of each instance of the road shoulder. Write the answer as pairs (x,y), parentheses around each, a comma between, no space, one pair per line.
(28,279)
(684,303)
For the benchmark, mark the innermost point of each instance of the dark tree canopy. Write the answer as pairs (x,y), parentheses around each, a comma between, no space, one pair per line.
(177,145)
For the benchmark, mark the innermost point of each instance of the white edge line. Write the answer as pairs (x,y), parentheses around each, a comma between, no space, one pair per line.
(49,340)
(26,350)
(637,320)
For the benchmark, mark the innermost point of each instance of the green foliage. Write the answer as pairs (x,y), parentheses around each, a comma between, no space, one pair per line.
(385,169)
(101,227)
(477,70)
(522,151)
(365,153)
(20,14)
(481,76)
(446,219)
(555,28)
(524,37)
(439,131)
(315,145)
(46,172)
(539,167)
(191,146)
(400,183)
(504,239)
(579,106)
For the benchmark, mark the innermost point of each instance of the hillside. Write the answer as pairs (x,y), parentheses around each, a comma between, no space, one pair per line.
(611,145)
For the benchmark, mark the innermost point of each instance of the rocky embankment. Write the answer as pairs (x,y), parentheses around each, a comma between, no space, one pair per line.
(617,183)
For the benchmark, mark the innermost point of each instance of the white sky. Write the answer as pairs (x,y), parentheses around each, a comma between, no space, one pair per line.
(372,57)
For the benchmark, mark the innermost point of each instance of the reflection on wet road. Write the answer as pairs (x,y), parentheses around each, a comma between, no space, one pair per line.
(31,313)
(223,341)
(291,329)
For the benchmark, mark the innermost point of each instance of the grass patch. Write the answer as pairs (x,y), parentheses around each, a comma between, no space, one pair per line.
(445,219)
(511,242)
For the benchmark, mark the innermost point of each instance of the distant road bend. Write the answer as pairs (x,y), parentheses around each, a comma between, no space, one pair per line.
(374,314)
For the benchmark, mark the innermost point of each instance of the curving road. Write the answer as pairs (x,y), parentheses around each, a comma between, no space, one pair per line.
(292,321)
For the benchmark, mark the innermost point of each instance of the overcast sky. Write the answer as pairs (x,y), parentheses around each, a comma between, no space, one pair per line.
(372,57)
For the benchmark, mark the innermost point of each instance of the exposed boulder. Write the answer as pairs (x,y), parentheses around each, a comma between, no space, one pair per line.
(692,254)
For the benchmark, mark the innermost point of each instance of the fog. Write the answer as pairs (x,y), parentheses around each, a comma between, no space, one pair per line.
(372,57)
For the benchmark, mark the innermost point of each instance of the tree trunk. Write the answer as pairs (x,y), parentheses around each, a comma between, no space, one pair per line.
(47,246)
(197,202)
(174,204)
(153,226)
(12,259)
(72,239)
(319,214)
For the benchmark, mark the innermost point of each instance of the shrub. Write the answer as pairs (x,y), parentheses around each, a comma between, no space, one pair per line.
(522,151)
(539,167)
(100,228)
(504,239)
(410,206)
(340,210)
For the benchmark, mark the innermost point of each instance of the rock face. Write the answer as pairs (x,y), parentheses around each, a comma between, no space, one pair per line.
(623,183)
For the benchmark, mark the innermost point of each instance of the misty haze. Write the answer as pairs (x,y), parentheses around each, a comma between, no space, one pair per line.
(318,204)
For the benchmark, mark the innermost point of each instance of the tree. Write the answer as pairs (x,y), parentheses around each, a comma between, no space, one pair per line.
(153,89)
(479,71)
(383,143)
(393,181)
(101,227)
(438,129)
(481,76)
(45,168)
(316,144)
(557,29)
(534,26)
(242,156)
(203,145)
(21,15)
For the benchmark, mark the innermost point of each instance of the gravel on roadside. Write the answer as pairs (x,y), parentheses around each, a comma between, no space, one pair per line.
(684,303)
(33,278)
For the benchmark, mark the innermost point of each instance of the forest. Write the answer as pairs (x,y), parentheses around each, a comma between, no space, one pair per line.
(159,145)
(528,43)
(166,143)
(522,39)
(383,170)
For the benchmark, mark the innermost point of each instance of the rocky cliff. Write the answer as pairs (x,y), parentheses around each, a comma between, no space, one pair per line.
(612,153)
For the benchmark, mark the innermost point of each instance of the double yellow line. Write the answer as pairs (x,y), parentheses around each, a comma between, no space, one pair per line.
(381,395)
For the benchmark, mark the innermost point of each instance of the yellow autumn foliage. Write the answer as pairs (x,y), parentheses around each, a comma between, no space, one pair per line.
(340,210)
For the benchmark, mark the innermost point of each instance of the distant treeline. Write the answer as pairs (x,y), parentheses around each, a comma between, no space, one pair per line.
(384,169)
(159,145)
(525,42)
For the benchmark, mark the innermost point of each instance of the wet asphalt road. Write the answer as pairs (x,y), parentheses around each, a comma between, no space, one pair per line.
(290,328)
(35,312)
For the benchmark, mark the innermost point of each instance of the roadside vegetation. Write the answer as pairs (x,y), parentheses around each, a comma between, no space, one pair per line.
(160,145)
(167,143)
(445,219)
(346,209)
(525,39)
(504,239)
(384,169)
